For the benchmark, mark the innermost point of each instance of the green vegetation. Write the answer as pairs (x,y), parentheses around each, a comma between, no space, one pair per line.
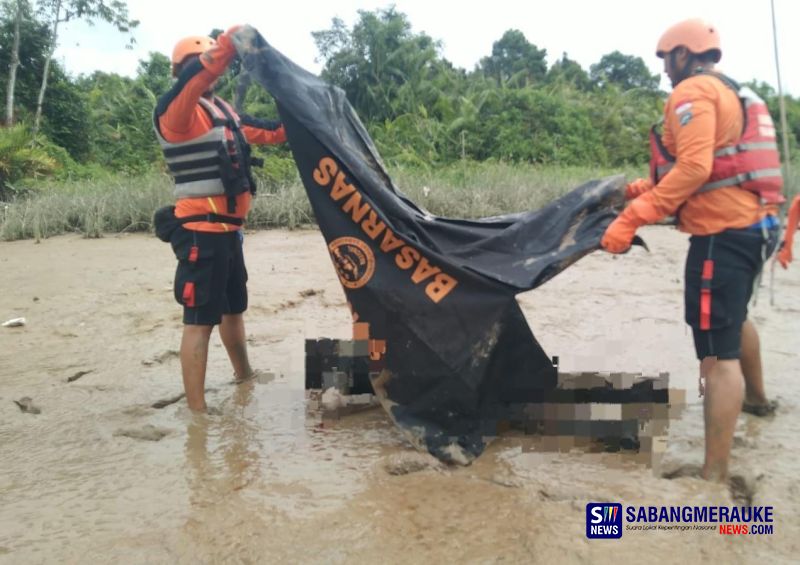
(508,135)
(120,204)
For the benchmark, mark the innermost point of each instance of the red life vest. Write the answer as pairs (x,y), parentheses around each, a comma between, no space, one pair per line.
(752,163)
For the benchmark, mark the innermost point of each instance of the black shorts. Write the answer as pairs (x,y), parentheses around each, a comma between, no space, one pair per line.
(721,270)
(211,278)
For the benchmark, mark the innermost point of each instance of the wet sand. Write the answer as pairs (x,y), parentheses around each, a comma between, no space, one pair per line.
(100,475)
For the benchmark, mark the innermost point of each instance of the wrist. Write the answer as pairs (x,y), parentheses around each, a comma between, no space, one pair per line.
(642,211)
(217,59)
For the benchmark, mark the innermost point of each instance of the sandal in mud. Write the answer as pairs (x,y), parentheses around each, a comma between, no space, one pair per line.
(760,410)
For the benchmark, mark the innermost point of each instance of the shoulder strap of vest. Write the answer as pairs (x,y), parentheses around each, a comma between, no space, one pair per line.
(156,125)
(656,137)
(223,106)
(726,80)
(237,121)
(242,146)
(733,85)
(218,118)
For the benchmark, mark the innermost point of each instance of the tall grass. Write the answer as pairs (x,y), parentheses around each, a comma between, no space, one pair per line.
(89,207)
(285,206)
(460,190)
(478,189)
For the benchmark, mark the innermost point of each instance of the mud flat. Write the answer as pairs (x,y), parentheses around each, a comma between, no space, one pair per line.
(114,469)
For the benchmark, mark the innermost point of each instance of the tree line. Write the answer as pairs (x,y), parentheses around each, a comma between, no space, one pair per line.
(421,110)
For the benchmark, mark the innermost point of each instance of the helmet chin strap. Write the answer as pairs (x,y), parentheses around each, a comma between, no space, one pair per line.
(685,71)
(691,68)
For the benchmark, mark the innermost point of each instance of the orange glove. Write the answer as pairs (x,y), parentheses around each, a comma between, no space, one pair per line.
(619,234)
(785,253)
(217,59)
(637,188)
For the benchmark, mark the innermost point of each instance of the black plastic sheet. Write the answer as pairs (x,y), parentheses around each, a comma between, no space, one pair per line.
(439,292)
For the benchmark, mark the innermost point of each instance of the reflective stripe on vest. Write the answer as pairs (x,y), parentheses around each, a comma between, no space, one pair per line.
(733,180)
(742,178)
(753,163)
(755,146)
(197,165)
(664,169)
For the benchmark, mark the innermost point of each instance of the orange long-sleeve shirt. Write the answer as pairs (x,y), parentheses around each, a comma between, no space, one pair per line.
(701,116)
(181,118)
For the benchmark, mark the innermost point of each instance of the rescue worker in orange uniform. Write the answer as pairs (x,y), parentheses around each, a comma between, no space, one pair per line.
(206,147)
(717,168)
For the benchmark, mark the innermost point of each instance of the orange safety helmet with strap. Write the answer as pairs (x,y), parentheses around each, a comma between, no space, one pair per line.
(192,45)
(695,35)
(753,162)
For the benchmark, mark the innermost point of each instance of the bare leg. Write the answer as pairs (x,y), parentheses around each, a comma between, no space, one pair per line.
(194,355)
(231,330)
(722,404)
(751,365)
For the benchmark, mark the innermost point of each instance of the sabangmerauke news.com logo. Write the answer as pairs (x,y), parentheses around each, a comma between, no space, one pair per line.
(604,520)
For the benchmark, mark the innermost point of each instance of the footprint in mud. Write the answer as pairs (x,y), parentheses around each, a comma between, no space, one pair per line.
(259,377)
(257,340)
(743,488)
(164,402)
(146,433)
(26,405)
(78,375)
(138,411)
(161,357)
(684,470)
(507,480)
(787,310)
(264,378)
(287,304)
(743,442)
(411,462)
(65,334)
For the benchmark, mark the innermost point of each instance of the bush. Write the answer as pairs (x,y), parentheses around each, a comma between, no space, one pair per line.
(23,156)
(278,171)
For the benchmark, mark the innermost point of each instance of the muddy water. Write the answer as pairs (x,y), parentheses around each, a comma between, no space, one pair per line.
(101,475)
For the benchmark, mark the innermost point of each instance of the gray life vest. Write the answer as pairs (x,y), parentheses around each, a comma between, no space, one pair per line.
(214,163)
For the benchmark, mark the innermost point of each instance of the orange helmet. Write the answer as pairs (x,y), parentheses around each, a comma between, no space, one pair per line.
(193,45)
(696,35)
